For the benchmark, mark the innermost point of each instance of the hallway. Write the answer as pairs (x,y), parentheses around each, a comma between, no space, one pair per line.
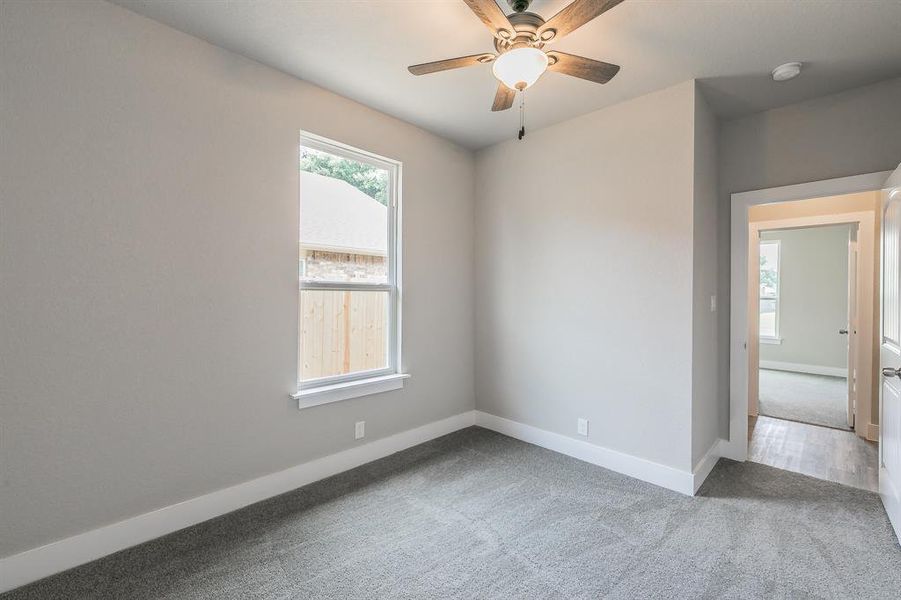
(820,452)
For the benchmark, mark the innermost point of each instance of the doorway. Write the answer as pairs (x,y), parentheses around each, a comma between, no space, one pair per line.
(817,410)
(807,324)
(821,340)
(813,313)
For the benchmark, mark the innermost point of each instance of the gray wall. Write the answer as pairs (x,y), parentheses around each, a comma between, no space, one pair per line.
(149,268)
(705,402)
(584,277)
(854,132)
(148,310)
(813,302)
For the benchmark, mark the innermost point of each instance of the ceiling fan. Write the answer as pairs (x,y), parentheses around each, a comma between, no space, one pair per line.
(520,39)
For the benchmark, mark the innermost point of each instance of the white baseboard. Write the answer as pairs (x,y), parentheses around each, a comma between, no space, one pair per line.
(802,368)
(31,565)
(734,450)
(705,465)
(639,468)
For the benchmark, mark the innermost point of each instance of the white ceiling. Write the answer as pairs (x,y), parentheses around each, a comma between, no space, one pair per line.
(361,48)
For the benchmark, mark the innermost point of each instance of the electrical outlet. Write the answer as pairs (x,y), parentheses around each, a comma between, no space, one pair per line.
(713,303)
(360,430)
(582,427)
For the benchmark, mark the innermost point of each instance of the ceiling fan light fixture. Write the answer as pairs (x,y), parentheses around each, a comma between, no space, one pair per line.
(519,68)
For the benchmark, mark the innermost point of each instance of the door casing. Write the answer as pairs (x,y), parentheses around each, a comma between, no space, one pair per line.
(862,362)
(737,447)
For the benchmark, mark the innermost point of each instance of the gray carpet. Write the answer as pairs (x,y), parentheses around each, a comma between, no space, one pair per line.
(816,399)
(479,515)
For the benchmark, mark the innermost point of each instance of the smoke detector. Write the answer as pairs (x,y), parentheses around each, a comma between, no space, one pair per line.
(787,71)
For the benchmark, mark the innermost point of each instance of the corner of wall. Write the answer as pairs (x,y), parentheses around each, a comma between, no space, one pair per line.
(706,405)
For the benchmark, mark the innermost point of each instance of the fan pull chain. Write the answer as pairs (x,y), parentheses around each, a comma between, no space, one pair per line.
(522,114)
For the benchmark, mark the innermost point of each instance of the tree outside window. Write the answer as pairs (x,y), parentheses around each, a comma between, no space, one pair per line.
(769,289)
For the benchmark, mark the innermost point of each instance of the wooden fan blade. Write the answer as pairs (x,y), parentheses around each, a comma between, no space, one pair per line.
(574,16)
(503,99)
(581,67)
(491,15)
(450,63)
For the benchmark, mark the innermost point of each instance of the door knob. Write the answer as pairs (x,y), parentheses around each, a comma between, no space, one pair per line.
(843,331)
(890,372)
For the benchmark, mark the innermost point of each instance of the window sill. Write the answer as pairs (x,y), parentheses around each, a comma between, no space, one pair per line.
(349,389)
(770,340)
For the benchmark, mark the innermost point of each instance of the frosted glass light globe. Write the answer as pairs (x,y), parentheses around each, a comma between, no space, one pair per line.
(520,68)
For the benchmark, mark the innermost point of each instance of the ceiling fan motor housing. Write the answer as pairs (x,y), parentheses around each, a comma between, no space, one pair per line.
(526,25)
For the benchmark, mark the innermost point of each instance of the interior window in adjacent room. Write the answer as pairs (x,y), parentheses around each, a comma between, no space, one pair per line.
(769,289)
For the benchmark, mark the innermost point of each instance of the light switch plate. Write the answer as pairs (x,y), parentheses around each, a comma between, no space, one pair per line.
(359,430)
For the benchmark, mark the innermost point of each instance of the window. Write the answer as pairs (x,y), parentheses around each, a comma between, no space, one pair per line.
(348,268)
(769,289)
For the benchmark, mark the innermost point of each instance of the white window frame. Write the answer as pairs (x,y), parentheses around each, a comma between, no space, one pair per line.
(341,387)
(774,339)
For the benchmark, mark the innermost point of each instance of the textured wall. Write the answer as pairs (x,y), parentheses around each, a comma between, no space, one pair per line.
(149,267)
(584,278)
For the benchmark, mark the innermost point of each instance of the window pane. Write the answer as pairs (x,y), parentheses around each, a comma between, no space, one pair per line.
(342,332)
(343,219)
(768,317)
(769,270)
(769,288)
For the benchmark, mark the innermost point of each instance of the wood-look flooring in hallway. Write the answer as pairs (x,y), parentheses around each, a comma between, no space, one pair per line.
(822,452)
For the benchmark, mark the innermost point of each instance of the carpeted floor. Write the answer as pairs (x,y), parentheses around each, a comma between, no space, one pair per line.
(816,399)
(479,515)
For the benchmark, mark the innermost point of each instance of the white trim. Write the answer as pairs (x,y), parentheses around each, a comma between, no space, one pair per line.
(330,146)
(863,291)
(771,340)
(776,365)
(633,466)
(346,390)
(727,450)
(394,254)
(320,382)
(872,432)
(705,465)
(738,319)
(31,565)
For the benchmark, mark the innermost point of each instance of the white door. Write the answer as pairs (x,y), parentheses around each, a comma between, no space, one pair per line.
(890,352)
(851,330)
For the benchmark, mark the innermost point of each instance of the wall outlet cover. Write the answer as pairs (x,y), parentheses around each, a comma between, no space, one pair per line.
(359,430)
(582,427)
